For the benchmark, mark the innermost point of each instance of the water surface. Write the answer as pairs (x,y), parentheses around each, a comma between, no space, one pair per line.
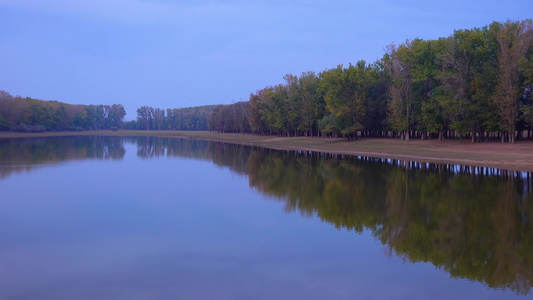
(155,218)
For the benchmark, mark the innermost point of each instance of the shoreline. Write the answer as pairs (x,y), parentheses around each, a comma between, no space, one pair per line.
(516,157)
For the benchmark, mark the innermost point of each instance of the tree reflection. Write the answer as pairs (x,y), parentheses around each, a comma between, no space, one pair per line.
(471,222)
(18,155)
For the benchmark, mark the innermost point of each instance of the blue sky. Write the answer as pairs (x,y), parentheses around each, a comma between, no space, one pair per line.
(171,54)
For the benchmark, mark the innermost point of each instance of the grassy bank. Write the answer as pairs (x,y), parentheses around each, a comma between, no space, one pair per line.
(518,156)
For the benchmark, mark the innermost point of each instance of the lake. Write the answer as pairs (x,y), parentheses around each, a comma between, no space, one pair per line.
(157,218)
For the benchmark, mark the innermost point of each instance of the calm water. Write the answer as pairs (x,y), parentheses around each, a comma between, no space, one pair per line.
(154,218)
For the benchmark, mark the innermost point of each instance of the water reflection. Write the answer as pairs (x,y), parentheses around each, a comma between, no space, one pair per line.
(471,222)
(23,155)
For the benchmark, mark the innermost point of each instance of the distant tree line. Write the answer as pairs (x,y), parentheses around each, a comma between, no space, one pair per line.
(33,115)
(189,118)
(475,83)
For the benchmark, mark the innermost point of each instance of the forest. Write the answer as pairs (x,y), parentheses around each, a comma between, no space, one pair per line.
(188,118)
(474,84)
(33,115)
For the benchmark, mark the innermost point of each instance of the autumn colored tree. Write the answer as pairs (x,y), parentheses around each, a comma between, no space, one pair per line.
(28,114)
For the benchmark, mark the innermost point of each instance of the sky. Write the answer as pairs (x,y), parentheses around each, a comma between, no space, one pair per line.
(173,54)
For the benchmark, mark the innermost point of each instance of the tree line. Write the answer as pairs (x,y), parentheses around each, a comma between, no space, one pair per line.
(475,83)
(33,115)
(25,114)
(188,118)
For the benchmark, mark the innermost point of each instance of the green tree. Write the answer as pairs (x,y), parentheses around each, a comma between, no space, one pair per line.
(278,111)
(145,117)
(4,124)
(427,110)
(467,78)
(311,105)
(115,116)
(398,65)
(346,93)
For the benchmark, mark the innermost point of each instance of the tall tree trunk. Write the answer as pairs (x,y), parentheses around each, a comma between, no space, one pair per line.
(407,133)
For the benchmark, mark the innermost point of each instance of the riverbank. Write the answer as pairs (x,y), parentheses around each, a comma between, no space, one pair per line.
(518,156)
